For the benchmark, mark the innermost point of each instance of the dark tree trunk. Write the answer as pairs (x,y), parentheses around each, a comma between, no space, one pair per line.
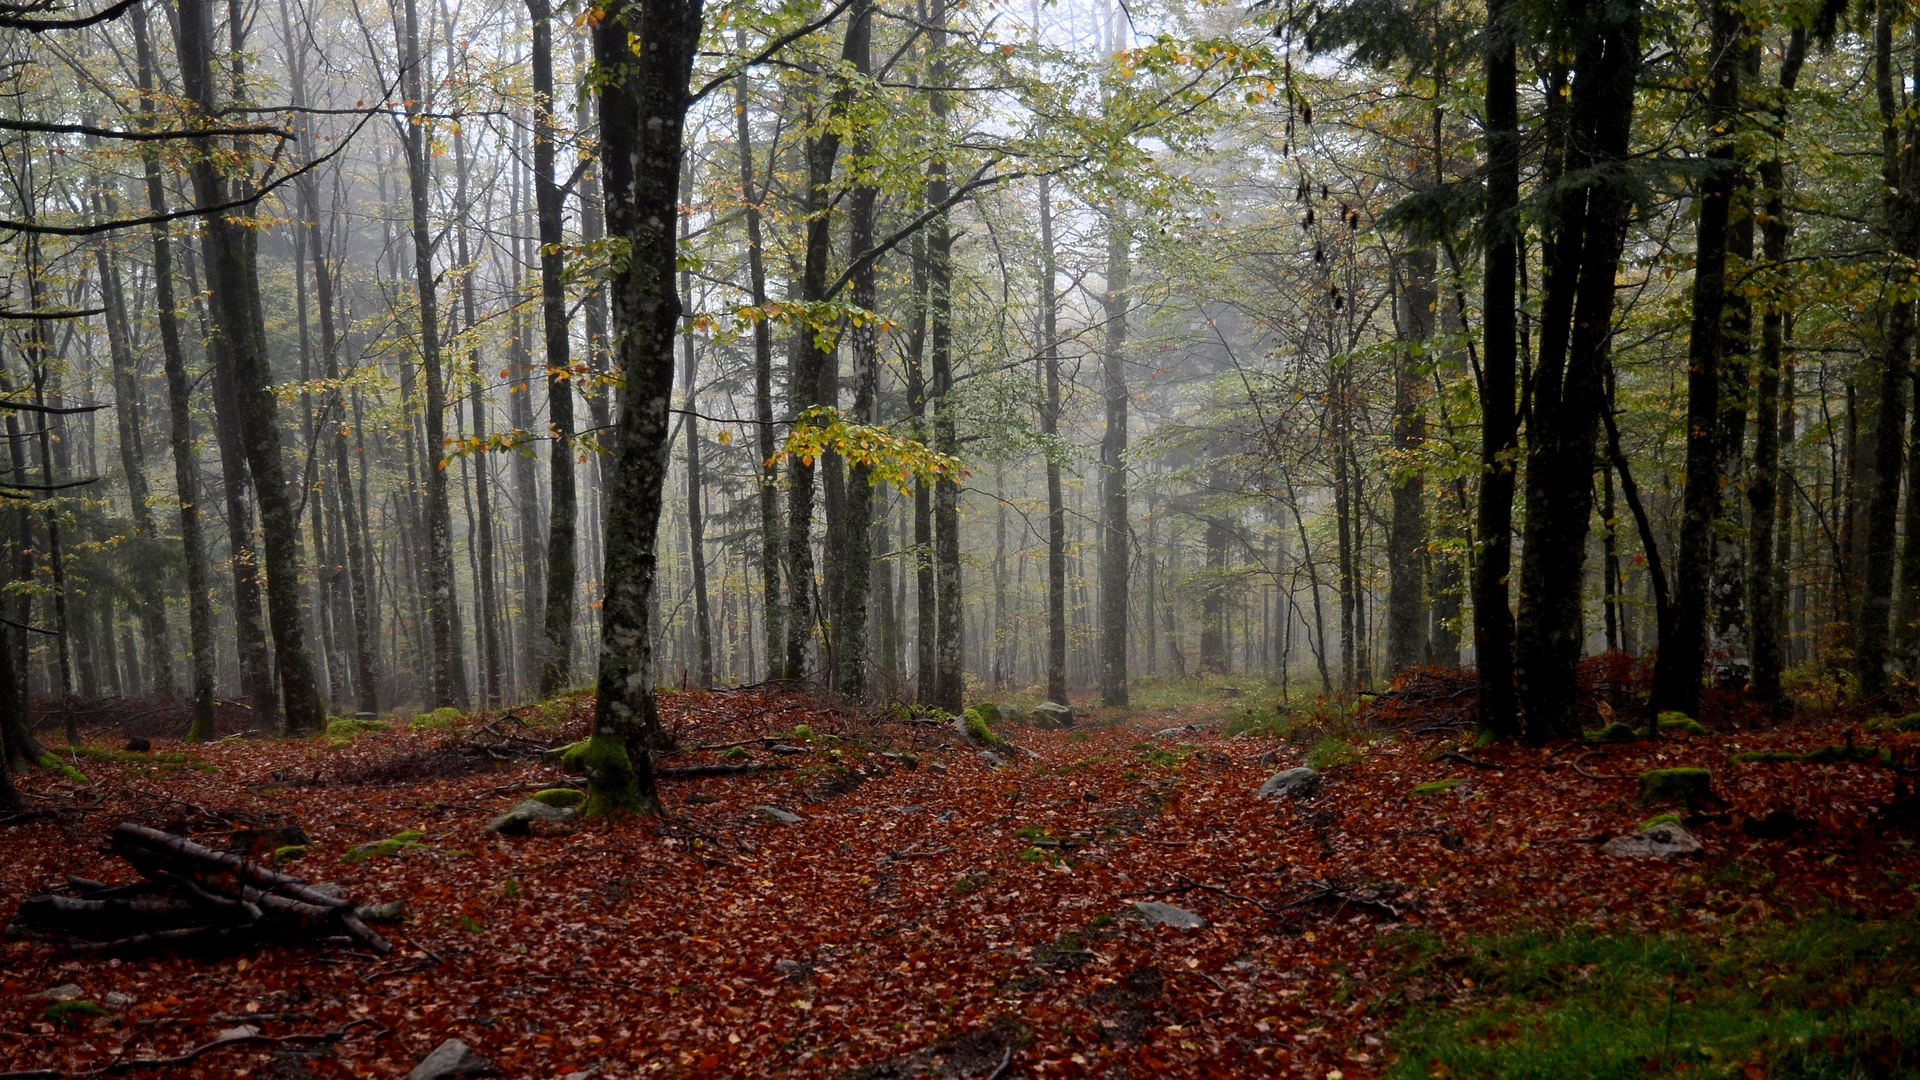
(526,487)
(230,244)
(949,688)
(643,103)
(1050,428)
(1116,549)
(926,602)
(556,650)
(186,467)
(1499,426)
(491,659)
(696,523)
(1407,533)
(1764,493)
(856,534)
(1589,227)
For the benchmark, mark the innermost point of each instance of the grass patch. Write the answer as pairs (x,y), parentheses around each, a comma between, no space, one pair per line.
(1827,997)
(1331,753)
(1161,758)
(1436,787)
(1260,720)
(51,762)
(75,1013)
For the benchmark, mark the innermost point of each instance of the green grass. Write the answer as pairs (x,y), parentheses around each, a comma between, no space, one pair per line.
(395,846)
(1331,753)
(75,1013)
(1828,997)
(438,720)
(1172,692)
(1436,787)
(1260,720)
(343,731)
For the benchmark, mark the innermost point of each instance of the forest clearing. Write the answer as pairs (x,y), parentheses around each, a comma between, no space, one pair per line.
(927,912)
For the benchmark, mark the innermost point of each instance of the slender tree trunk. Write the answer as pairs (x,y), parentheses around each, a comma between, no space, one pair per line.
(1499,426)
(491,660)
(773,614)
(949,689)
(556,652)
(1116,553)
(926,603)
(1050,428)
(856,534)
(1902,168)
(696,524)
(1407,642)
(186,467)
(230,243)
(643,103)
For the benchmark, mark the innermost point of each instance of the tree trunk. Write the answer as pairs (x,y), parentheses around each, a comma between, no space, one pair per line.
(773,616)
(643,105)
(1568,386)
(556,650)
(1764,496)
(186,467)
(949,688)
(1407,533)
(926,602)
(1499,425)
(856,534)
(230,243)
(1116,551)
(696,525)
(491,659)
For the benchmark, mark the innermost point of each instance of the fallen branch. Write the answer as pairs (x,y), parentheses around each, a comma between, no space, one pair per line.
(1477,763)
(1591,775)
(689,772)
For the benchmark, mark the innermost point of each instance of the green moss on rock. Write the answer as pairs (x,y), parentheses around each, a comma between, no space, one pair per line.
(563,797)
(613,788)
(438,720)
(348,729)
(1683,785)
(75,1013)
(1436,787)
(1658,820)
(1683,724)
(289,853)
(51,762)
(394,846)
(1617,731)
(1752,756)
(1835,755)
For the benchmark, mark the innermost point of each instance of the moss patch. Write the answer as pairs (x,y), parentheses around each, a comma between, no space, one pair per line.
(343,730)
(1683,724)
(1683,785)
(1331,753)
(289,853)
(563,797)
(75,1013)
(51,762)
(438,720)
(1659,819)
(1835,755)
(1436,787)
(394,846)
(613,788)
(1751,756)
(1617,731)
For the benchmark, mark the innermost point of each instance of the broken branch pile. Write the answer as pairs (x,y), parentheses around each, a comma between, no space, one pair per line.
(192,896)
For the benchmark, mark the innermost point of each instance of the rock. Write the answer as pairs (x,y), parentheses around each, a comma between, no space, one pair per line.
(391,911)
(1229,691)
(139,746)
(1659,842)
(936,767)
(520,819)
(1685,785)
(63,992)
(1158,914)
(784,748)
(1290,782)
(117,1000)
(1052,714)
(563,797)
(1176,732)
(328,888)
(993,760)
(774,813)
(1010,712)
(793,970)
(450,1058)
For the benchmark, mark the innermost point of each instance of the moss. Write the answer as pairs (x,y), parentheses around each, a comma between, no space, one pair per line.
(1766,755)
(977,728)
(1834,755)
(1685,785)
(1658,820)
(559,796)
(1909,722)
(51,762)
(1436,787)
(987,711)
(395,846)
(1614,732)
(289,853)
(75,1013)
(1331,753)
(801,733)
(438,720)
(346,730)
(735,753)
(613,787)
(1683,724)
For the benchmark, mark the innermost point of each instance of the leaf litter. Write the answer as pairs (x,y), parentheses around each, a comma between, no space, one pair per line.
(929,913)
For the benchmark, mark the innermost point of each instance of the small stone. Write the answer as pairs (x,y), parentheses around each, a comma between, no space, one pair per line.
(1158,914)
(936,767)
(1659,842)
(239,1034)
(774,813)
(783,748)
(1290,782)
(1176,732)
(792,970)
(117,1000)
(328,888)
(993,760)
(520,819)
(450,1058)
(63,992)
(391,911)
(1053,714)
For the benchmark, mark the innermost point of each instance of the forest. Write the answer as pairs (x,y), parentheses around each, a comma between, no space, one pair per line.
(589,480)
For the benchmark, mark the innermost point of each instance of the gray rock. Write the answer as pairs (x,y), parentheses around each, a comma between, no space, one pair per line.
(391,911)
(1290,782)
(1659,842)
(1052,714)
(774,813)
(1158,914)
(450,1058)
(993,760)
(936,767)
(1176,732)
(1010,712)
(63,992)
(117,1000)
(793,970)
(328,888)
(520,819)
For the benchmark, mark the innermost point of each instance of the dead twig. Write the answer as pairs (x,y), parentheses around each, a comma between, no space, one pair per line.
(1593,775)
(1478,763)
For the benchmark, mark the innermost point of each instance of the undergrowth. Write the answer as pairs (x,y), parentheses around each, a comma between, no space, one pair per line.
(1830,996)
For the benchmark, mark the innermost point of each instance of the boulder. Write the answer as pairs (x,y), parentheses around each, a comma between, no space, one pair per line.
(1290,782)
(450,1058)
(1684,785)
(520,819)
(1659,842)
(774,813)
(993,760)
(1158,914)
(63,992)
(1052,714)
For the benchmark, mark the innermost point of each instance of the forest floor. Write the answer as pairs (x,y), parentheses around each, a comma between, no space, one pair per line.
(930,912)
